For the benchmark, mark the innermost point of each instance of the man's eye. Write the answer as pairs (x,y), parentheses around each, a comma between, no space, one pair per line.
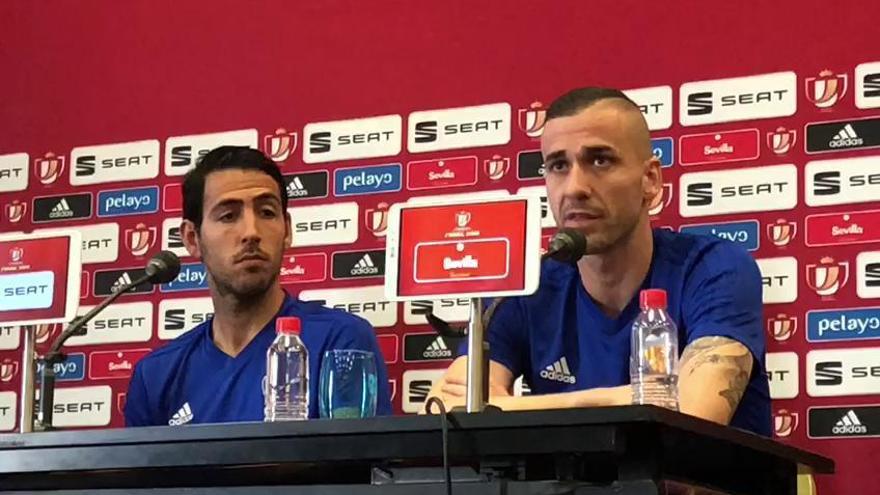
(269,213)
(601,161)
(555,166)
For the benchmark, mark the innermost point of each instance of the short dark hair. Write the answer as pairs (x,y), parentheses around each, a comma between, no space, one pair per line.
(224,158)
(578,99)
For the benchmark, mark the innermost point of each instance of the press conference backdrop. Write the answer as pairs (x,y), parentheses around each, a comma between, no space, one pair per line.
(767,124)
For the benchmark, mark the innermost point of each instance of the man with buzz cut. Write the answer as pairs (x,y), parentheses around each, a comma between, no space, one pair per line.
(570,341)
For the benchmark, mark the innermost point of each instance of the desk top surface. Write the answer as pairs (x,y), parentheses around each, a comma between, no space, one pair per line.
(555,423)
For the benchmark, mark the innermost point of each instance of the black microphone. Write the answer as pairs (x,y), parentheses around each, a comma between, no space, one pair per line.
(567,246)
(163,267)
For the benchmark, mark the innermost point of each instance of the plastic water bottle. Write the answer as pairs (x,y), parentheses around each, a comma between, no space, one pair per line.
(653,369)
(286,385)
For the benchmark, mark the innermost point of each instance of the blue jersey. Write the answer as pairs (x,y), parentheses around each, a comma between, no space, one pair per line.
(559,340)
(190,380)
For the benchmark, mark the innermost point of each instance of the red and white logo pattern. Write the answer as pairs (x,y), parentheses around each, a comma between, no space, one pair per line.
(376,219)
(140,239)
(49,168)
(782,327)
(280,144)
(781,232)
(825,90)
(782,140)
(496,168)
(827,277)
(532,119)
(784,423)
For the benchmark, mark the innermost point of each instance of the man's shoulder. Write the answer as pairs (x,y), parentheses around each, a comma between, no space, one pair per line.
(700,251)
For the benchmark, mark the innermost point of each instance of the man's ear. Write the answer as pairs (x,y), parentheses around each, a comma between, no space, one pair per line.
(288,231)
(652,179)
(189,234)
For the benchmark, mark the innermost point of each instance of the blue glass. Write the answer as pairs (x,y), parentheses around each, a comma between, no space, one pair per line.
(347,387)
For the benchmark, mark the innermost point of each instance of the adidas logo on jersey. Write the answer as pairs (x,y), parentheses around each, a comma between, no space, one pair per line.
(61,210)
(122,281)
(296,189)
(183,416)
(849,424)
(558,372)
(846,138)
(437,349)
(365,266)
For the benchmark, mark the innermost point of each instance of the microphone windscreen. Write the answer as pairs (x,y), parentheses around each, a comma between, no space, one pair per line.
(163,267)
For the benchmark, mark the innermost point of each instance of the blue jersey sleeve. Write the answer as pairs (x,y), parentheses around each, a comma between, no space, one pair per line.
(722,297)
(137,409)
(506,334)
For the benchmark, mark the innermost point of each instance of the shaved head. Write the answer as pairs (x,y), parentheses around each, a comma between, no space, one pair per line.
(576,100)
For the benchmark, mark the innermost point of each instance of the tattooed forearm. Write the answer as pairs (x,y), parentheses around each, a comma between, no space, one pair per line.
(738,380)
(727,357)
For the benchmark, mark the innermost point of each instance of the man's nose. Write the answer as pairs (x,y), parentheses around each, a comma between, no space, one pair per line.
(578,183)
(250,232)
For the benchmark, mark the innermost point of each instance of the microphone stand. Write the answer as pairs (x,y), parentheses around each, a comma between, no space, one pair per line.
(55,356)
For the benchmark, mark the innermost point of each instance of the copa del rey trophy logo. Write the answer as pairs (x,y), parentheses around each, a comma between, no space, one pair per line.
(8,370)
(16,254)
(462,219)
(827,277)
(532,119)
(280,144)
(376,219)
(781,232)
(49,168)
(15,211)
(140,239)
(782,140)
(496,167)
(785,423)
(825,90)
(782,327)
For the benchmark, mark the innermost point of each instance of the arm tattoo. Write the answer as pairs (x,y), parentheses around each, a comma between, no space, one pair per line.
(736,366)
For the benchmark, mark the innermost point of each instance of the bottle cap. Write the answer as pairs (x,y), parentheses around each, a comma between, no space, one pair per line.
(652,299)
(288,325)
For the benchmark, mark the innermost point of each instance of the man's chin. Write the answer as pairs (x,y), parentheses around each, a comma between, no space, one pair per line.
(250,286)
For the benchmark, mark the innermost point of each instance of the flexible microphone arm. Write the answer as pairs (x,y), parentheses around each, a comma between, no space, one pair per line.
(77,323)
(161,269)
(55,356)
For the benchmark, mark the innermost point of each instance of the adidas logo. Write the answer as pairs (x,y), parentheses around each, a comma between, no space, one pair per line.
(849,424)
(123,280)
(365,266)
(437,350)
(296,189)
(183,416)
(61,210)
(559,372)
(846,138)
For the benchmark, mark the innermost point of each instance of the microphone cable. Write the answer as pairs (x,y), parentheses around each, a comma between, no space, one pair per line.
(444,430)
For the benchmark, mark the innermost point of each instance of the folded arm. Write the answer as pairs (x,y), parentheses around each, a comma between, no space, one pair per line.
(451,390)
(713,376)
